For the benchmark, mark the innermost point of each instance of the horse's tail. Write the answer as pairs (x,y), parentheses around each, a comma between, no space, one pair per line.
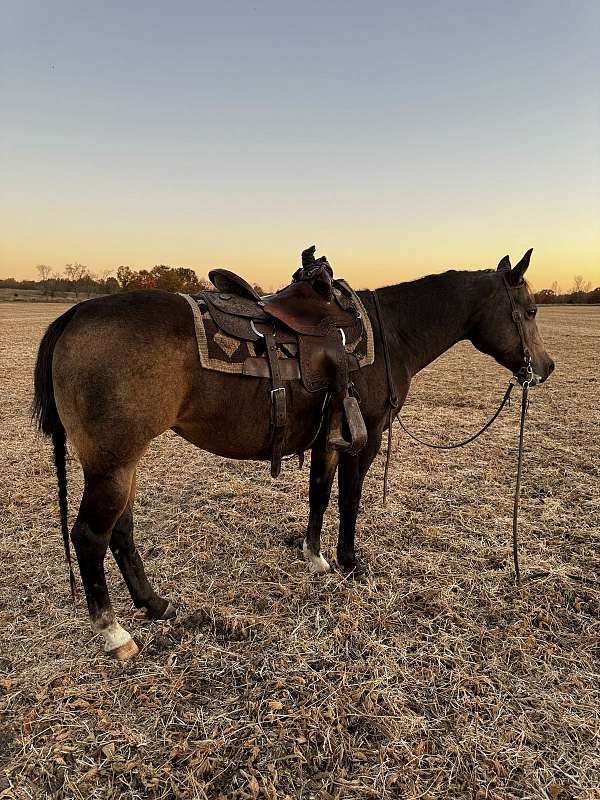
(45,414)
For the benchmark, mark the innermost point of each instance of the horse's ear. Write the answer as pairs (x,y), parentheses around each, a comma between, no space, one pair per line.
(504,265)
(517,272)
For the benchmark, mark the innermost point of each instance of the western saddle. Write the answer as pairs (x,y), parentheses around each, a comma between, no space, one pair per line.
(314,315)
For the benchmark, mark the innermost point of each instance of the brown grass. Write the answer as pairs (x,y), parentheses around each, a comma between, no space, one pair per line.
(431,677)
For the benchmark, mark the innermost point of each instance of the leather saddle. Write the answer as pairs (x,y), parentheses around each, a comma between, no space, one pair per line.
(315,314)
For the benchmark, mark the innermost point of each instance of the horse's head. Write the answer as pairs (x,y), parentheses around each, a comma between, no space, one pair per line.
(505,325)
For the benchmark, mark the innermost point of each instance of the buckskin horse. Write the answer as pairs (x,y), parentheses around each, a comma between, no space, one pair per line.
(115,372)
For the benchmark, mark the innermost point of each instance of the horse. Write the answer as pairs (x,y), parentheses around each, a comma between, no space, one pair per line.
(113,373)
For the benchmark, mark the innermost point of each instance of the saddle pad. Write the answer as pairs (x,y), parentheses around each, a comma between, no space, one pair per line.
(218,351)
(359,342)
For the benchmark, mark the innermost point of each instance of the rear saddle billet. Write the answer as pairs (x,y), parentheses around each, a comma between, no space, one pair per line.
(314,314)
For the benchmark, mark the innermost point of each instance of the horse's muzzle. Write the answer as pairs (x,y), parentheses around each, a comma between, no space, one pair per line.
(548,369)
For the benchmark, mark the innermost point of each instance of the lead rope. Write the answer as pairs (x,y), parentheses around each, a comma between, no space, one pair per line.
(515,519)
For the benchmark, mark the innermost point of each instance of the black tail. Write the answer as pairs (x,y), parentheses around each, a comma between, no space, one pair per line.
(45,414)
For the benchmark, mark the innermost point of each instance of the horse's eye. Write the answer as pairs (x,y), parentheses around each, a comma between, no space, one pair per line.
(530,313)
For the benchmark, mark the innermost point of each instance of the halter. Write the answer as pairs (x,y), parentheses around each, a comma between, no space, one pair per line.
(525,374)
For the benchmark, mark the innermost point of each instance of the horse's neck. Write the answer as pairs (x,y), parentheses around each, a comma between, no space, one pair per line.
(425,318)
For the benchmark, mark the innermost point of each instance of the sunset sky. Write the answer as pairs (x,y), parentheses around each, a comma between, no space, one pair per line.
(402,138)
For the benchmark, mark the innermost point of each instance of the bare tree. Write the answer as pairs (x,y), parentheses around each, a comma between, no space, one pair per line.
(581,285)
(556,288)
(44,272)
(75,273)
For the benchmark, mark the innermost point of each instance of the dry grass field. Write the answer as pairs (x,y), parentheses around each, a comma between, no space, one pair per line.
(432,676)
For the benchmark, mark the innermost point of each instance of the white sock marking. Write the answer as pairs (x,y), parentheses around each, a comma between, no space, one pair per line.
(317,564)
(114,635)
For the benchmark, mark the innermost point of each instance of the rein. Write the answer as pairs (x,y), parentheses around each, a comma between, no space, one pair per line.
(468,440)
(523,377)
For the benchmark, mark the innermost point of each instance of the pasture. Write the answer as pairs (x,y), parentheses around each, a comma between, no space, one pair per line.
(429,676)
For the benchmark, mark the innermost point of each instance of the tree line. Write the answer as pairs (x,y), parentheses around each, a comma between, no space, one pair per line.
(80,280)
(580,292)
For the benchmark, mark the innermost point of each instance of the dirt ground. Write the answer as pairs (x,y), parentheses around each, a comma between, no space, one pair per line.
(432,676)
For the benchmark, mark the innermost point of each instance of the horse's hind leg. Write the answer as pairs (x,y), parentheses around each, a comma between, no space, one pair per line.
(323,463)
(131,565)
(104,498)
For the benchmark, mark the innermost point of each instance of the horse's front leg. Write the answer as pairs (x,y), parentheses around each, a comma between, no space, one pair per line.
(351,475)
(323,464)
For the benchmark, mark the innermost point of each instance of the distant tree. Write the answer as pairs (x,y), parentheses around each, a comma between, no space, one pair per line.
(90,282)
(143,280)
(556,288)
(44,272)
(125,277)
(545,296)
(111,285)
(594,296)
(75,273)
(258,289)
(580,285)
(167,278)
(187,279)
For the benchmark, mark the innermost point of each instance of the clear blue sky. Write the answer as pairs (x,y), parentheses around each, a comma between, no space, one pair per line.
(402,138)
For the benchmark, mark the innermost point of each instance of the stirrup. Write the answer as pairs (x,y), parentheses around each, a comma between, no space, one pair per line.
(356,425)
(356,428)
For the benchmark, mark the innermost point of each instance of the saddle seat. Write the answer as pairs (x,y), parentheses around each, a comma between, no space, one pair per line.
(299,306)
(316,314)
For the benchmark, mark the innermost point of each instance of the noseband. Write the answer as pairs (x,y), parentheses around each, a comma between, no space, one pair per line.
(525,374)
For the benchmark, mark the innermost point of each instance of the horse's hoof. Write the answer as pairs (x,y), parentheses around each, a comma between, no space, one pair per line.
(317,564)
(170,612)
(161,610)
(348,566)
(125,651)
